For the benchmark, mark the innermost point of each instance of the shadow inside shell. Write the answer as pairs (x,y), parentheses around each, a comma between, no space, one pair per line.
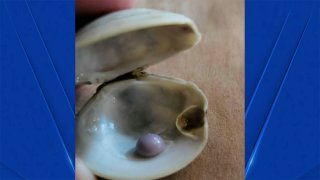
(142,112)
(134,156)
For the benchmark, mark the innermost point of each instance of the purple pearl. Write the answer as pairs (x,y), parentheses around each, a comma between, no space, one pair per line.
(150,145)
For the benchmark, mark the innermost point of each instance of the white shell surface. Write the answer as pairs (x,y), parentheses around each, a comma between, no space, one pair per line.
(126,40)
(108,127)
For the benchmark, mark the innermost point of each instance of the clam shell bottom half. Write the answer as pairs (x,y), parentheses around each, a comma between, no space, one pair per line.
(108,127)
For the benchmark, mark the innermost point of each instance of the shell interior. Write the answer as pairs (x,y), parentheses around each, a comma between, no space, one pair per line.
(110,124)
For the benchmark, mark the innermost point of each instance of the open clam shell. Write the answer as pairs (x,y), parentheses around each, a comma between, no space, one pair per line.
(113,50)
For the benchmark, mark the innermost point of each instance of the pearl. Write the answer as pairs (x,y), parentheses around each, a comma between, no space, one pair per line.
(150,145)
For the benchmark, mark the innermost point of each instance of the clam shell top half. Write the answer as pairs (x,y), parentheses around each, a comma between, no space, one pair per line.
(108,126)
(126,40)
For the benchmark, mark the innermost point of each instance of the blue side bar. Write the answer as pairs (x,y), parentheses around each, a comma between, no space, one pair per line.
(272,76)
(283,110)
(37,89)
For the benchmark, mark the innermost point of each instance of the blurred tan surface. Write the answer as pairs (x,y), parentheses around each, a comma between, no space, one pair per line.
(216,65)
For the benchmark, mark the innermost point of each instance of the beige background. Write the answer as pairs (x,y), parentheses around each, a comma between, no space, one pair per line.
(216,65)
